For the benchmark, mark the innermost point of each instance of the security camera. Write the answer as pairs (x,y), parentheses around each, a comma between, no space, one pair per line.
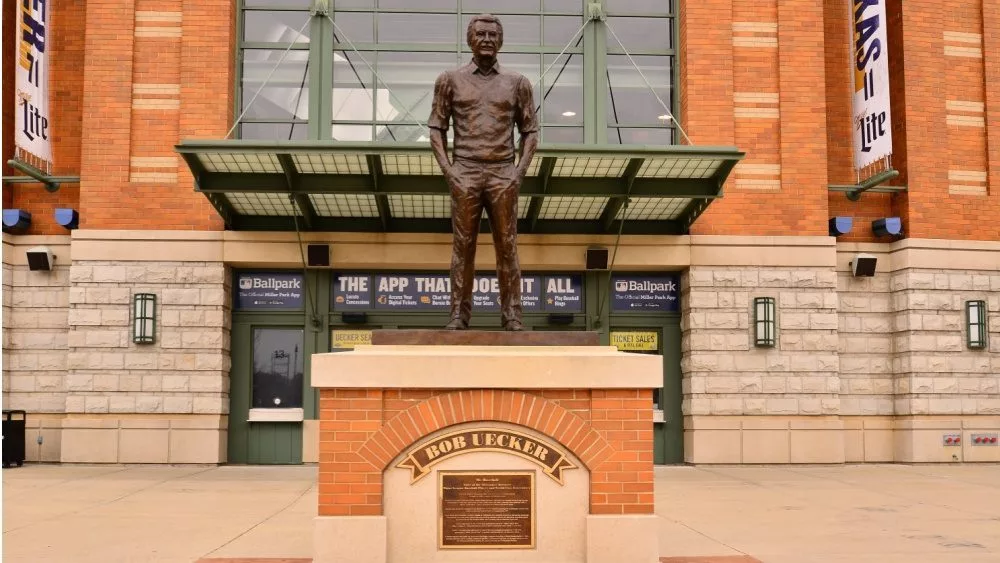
(40,258)
(863,265)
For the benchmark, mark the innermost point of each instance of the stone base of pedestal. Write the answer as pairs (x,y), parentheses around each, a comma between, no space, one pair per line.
(622,537)
(486,453)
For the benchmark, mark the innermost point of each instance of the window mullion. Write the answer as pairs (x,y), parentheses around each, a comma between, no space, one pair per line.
(320,78)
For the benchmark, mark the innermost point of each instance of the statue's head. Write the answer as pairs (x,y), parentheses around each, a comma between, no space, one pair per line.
(485,35)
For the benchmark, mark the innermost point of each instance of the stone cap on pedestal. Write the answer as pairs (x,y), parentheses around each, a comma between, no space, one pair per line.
(486,367)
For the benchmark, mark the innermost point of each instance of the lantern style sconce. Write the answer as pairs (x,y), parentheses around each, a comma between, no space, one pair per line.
(975,323)
(143,318)
(764,323)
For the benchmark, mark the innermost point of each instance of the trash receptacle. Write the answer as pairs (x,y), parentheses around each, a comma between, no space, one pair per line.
(13,438)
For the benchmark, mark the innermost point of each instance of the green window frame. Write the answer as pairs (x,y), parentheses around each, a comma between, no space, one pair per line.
(975,323)
(595,64)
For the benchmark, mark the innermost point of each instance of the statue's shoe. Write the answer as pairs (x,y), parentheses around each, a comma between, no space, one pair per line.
(456,324)
(514,326)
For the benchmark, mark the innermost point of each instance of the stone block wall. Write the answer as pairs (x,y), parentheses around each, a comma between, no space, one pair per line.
(35,312)
(181,377)
(936,374)
(725,374)
(865,336)
(744,404)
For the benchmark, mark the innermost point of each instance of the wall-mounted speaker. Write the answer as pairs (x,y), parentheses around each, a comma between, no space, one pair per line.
(597,258)
(863,265)
(318,255)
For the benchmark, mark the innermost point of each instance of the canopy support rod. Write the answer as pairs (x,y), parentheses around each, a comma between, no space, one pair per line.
(648,85)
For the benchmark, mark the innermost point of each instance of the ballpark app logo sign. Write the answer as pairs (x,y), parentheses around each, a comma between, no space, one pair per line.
(269,291)
(645,294)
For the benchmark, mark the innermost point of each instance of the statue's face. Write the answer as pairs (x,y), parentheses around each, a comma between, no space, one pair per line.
(485,40)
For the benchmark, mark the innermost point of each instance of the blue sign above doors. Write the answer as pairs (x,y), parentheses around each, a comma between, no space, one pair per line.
(432,292)
(645,293)
(269,290)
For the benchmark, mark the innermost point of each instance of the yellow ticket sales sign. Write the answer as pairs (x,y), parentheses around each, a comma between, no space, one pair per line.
(348,339)
(636,341)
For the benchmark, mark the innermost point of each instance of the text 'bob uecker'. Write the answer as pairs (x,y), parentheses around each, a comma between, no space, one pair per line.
(551,457)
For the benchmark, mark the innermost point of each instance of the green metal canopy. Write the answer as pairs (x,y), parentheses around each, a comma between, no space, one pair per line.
(397,187)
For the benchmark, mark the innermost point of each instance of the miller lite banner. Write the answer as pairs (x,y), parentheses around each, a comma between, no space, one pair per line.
(872,118)
(32,135)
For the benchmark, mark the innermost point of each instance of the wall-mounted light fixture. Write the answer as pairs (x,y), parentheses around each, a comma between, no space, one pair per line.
(840,225)
(16,220)
(68,218)
(887,226)
(975,324)
(764,322)
(143,318)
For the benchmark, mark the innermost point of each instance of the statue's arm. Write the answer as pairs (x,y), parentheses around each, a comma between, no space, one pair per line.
(527,125)
(438,122)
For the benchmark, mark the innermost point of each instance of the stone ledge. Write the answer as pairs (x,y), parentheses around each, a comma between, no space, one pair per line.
(484,338)
(487,367)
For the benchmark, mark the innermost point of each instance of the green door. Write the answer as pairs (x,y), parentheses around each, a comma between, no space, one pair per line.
(662,337)
(266,393)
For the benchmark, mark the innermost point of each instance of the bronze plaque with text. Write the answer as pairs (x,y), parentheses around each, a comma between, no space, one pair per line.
(487,510)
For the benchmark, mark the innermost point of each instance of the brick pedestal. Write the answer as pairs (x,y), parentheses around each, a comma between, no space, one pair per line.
(592,402)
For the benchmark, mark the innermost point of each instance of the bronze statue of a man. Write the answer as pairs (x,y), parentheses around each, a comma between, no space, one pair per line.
(484,102)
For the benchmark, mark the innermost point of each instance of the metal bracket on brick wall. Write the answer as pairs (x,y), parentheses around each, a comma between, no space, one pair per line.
(34,175)
(871,184)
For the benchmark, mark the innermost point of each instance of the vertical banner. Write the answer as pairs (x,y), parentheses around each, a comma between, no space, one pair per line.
(32,119)
(872,118)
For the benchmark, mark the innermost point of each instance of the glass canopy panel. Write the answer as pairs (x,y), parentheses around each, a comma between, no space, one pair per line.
(330,163)
(410,165)
(270,204)
(557,207)
(590,167)
(344,205)
(522,206)
(405,206)
(653,208)
(679,167)
(241,162)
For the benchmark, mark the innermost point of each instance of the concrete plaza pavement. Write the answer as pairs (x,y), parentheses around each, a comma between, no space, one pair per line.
(774,514)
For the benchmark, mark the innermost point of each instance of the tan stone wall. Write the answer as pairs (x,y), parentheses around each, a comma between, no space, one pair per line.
(865,370)
(185,371)
(865,345)
(150,403)
(725,374)
(35,309)
(936,373)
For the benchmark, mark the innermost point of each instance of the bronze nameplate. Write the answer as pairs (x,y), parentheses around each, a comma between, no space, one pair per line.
(550,456)
(487,510)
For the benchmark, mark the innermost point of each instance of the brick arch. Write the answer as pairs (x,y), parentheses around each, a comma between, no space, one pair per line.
(457,407)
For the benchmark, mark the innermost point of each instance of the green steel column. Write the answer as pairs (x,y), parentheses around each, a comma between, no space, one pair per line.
(321,71)
(596,78)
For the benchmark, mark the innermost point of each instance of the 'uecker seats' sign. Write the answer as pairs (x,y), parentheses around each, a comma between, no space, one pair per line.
(551,457)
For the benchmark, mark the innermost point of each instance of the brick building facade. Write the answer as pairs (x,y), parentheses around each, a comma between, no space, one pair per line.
(865,369)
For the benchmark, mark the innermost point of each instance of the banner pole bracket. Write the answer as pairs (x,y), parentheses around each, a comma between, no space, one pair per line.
(51,182)
(854,192)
